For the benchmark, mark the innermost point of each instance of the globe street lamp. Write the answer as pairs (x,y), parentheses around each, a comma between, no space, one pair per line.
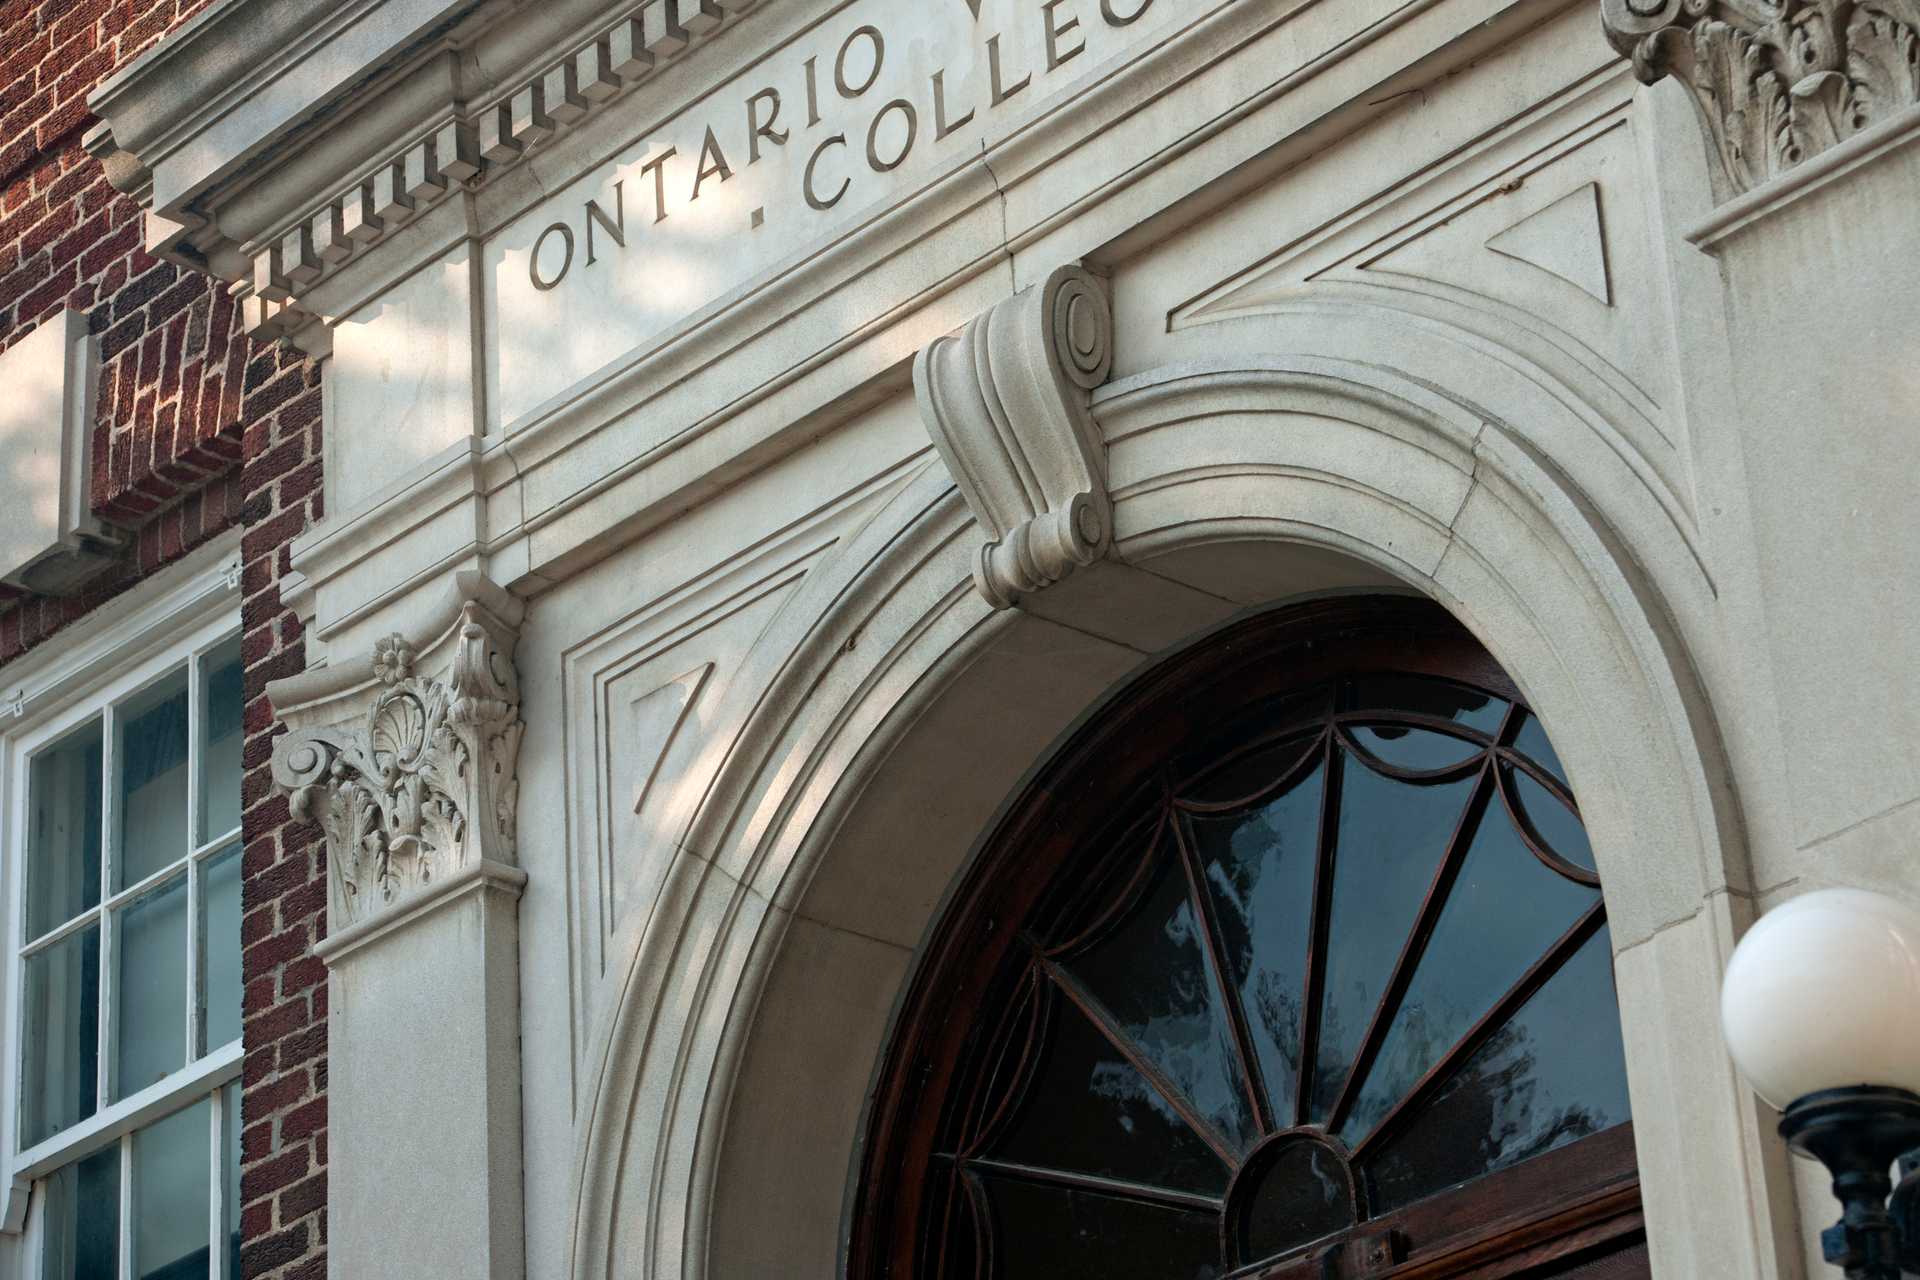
(1821,1009)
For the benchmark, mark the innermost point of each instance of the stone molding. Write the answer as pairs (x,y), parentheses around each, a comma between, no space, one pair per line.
(1005,401)
(1776,82)
(407,759)
(463,147)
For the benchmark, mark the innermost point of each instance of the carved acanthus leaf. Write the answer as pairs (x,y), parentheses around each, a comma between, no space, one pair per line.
(421,782)
(1005,401)
(1775,81)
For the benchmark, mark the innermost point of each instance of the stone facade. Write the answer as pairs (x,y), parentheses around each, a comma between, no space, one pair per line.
(756,431)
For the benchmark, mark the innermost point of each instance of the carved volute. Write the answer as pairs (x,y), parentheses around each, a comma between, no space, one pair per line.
(1005,401)
(407,759)
(1776,81)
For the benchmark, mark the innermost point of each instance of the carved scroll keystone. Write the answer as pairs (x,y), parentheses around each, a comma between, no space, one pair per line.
(1775,81)
(406,758)
(1005,400)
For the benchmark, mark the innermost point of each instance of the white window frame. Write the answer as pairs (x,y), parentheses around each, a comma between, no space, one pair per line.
(174,617)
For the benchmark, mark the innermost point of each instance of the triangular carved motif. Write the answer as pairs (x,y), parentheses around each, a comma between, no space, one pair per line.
(1565,240)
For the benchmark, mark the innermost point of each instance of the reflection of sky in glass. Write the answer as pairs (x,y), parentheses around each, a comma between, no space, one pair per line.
(1259,868)
(1503,912)
(1391,837)
(1089,1110)
(1153,977)
(1554,1074)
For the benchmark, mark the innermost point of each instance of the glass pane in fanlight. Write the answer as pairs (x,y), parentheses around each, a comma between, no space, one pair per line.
(61,1021)
(1304,1192)
(1044,1232)
(220,739)
(171,1196)
(1415,750)
(1504,911)
(1391,836)
(1552,821)
(1088,1110)
(151,781)
(220,936)
(1427,696)
(1259,868)
(80,1221)
(1152,974)
(63,833)
(1532,743)
(150,946)
(1553,1074)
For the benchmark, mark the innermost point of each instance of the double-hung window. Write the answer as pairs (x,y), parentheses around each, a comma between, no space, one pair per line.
(123,824)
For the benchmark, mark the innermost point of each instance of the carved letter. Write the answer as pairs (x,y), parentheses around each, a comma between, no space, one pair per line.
(806,179)
(997,92)
(1006,400)
(1116,20)
(712,161)
(770,130)
(1055,55)
(657,167)
(912,118)
(566,260)
(615,226)
(879,44)
(941,126)
(406,759)
(1774,81)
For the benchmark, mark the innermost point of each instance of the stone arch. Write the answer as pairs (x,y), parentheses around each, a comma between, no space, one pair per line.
(1310,473)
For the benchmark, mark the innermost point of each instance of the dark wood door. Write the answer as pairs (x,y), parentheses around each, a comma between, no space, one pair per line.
(1294,964)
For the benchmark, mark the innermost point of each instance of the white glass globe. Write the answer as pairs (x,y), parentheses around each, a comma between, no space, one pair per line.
(1824,993)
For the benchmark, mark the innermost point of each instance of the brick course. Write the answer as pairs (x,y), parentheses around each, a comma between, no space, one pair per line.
(198,429)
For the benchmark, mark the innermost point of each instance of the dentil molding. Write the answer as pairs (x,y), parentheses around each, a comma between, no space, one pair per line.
(1005,400)
(407,758)
(1776,81)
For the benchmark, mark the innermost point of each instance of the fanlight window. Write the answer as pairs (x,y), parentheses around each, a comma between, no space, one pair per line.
(1350,954)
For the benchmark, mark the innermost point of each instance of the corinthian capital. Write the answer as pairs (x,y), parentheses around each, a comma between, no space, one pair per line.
(1776,81)
(1005,400)
(406,758)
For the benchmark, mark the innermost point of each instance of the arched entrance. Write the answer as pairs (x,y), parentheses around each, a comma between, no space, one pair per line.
(720,1117)
(1293,962)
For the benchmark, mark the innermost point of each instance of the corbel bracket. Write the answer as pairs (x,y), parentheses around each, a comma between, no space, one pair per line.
(1005,400)
(1775,81)
(407,758)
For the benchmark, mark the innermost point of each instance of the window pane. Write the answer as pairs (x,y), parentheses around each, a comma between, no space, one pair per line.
(220,962)
(230,1172)
(220,741)
(82,1219)
(1391,836)
(1049,1232)
(1152,975)
(150,941)
(62,1036)
(63,839)
(152,777)
(1554,1074)
(170,1196)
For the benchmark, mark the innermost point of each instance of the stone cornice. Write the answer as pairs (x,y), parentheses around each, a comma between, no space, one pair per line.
(275,141)
(1005,401)
(1776,81)
(407,758)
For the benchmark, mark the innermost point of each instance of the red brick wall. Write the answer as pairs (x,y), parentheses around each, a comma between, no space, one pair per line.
(198,429)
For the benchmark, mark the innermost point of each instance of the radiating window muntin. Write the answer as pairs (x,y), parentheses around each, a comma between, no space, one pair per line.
(1365,938)
(127,841)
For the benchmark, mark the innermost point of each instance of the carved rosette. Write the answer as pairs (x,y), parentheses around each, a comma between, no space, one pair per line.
(1775,81)
(1005,401)
(421,782)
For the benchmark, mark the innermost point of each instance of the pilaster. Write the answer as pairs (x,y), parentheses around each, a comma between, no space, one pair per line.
(407,759)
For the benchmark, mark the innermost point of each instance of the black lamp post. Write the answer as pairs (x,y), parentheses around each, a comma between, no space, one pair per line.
(1821,1008)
